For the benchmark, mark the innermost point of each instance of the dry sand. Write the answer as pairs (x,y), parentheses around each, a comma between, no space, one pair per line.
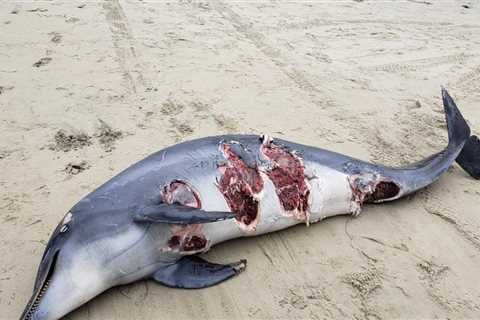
(88,88)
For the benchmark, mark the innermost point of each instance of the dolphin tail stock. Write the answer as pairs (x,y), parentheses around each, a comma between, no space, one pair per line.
(462,147)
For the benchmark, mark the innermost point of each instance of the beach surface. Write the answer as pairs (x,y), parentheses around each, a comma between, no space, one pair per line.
(89,88)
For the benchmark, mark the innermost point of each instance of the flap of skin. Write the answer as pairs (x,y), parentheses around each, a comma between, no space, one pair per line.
(178,214)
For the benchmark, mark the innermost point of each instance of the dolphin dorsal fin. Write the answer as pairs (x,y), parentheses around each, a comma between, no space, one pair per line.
(178,214)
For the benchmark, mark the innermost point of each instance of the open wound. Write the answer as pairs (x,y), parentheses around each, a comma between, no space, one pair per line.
(187,239)
(287,172)
(240,184)
(371,188)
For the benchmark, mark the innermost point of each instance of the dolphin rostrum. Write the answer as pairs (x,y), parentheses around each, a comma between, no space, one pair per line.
(153,219)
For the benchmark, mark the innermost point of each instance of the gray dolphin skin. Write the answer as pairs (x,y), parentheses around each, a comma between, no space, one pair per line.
(155,218)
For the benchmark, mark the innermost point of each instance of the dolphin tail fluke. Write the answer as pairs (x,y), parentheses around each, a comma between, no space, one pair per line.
(458,129)
(469,157)
(462,147)
(459,138)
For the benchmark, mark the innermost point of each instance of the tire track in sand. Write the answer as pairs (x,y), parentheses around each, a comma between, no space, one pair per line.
(316,95)
(258,40)
(435,206)
(124,44)
(422,63)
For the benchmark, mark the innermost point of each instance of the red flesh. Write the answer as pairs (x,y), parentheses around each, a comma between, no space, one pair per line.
(239,184)
(179,192)
(288,177)
(372,189)
(187,239)
(383,190)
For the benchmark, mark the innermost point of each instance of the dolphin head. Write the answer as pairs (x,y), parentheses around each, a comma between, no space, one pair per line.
(68,275)
(88,253)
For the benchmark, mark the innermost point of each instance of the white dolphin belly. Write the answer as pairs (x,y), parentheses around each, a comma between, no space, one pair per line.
(330,194)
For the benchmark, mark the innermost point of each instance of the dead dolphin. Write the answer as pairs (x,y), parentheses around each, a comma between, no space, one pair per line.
(152,220)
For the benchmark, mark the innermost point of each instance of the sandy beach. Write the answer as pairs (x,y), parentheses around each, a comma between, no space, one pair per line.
(88,88)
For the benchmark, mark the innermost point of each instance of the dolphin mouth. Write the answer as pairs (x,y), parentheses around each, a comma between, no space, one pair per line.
(38,294)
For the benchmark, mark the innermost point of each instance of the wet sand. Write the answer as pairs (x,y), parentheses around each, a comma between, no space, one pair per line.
(87,89)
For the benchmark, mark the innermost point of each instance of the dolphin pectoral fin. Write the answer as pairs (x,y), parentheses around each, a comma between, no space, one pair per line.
(179,214)
(469,158)
(192,272)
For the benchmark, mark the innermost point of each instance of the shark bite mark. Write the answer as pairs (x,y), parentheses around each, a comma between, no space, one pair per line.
(188,239)
(287,173)
(371,188)
(241,186)
(180,192)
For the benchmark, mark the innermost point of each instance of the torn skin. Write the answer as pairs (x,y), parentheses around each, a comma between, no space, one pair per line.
(188,239)
(288,176)
(371,188)
(180,192)
(240,186)
(382,191)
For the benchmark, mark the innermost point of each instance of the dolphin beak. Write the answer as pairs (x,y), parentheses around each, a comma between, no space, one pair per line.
(44,275)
